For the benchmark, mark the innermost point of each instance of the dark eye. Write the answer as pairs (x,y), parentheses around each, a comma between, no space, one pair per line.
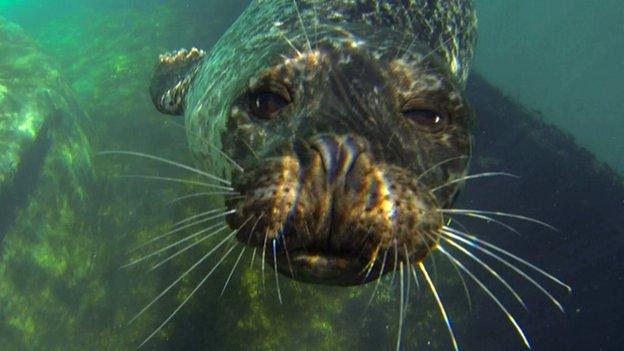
(429,120)
(266,104)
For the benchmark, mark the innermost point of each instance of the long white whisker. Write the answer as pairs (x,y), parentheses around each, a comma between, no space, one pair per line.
(186,248)
(436,49)
(292,46)
(183,240)
(197,287)
(203,214)
(204,140)
(487,268)
(232,271)
(407,292)
(501,214)
(396,260)
(490,219)
(440,305)
(197,263)
(176,230)
(292,272)
(263,263)
(509,254)
(474,176)
(279,292)
(164,160)
(201,194)
(401,306)
(490,294)
(416,279)
(407,273)
(253,257)
(511,266)
(464,285)
(438,165)
(302,25)
(177,180)
(383,266)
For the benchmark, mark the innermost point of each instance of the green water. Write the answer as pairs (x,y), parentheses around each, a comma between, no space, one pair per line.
(563,58)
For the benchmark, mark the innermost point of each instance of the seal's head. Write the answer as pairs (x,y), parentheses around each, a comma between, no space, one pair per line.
(351,128)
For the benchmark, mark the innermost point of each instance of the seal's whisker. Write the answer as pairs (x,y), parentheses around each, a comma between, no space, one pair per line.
(490,294)
(415,279)
(396,260)
(401,305)
(170,246)
(436,49)
(371,263)
(493,220)
(178,180)
(434,291)
(199,215)
(279,292)
(508,264)
(207,142)
(201,194)
(475,176)
(188,247)
(407,49)
(407,282)
(407,265)
(440,164)
(465,212)
(464,284)
(292,46)
(178,229)
(188,297)
(253,257)
(488,268)
(240,255)
(263,261)
(184,274)
(164,160)
(290,268)
(316,22)
(305,32)
(509,254)
(381,270)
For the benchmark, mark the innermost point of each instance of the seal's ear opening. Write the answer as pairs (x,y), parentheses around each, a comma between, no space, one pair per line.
(172,78)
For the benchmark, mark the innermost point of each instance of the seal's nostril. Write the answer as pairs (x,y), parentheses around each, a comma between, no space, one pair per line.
(337,153)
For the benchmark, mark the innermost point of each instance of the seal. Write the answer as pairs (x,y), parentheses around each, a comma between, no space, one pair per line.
(343,129)
(345,116)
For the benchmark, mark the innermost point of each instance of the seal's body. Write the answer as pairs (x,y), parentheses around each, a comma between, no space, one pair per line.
(349,120)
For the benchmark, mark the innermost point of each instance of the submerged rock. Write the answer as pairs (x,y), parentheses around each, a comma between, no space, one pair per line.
(45,180)
(38,126)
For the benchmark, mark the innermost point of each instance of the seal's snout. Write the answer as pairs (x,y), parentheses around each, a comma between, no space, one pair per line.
(332,209)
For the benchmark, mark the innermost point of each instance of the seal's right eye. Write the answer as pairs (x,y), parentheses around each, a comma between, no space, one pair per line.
(266,103)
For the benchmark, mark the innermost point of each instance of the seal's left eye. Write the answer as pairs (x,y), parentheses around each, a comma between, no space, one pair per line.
(429,120)
(266,104)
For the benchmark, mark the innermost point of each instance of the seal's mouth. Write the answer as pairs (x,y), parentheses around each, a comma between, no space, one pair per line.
(329,213)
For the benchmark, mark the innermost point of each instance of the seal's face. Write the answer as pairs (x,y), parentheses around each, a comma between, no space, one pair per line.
(344,147)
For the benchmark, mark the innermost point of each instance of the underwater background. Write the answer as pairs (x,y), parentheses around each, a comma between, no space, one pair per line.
(546,88)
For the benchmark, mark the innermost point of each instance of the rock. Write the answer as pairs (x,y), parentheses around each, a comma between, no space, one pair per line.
(46,209)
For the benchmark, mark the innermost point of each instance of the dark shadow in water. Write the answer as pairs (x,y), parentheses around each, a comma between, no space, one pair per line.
(567,187)
(15,195)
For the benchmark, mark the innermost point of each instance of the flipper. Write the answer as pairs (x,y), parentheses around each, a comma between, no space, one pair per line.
(173,75)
